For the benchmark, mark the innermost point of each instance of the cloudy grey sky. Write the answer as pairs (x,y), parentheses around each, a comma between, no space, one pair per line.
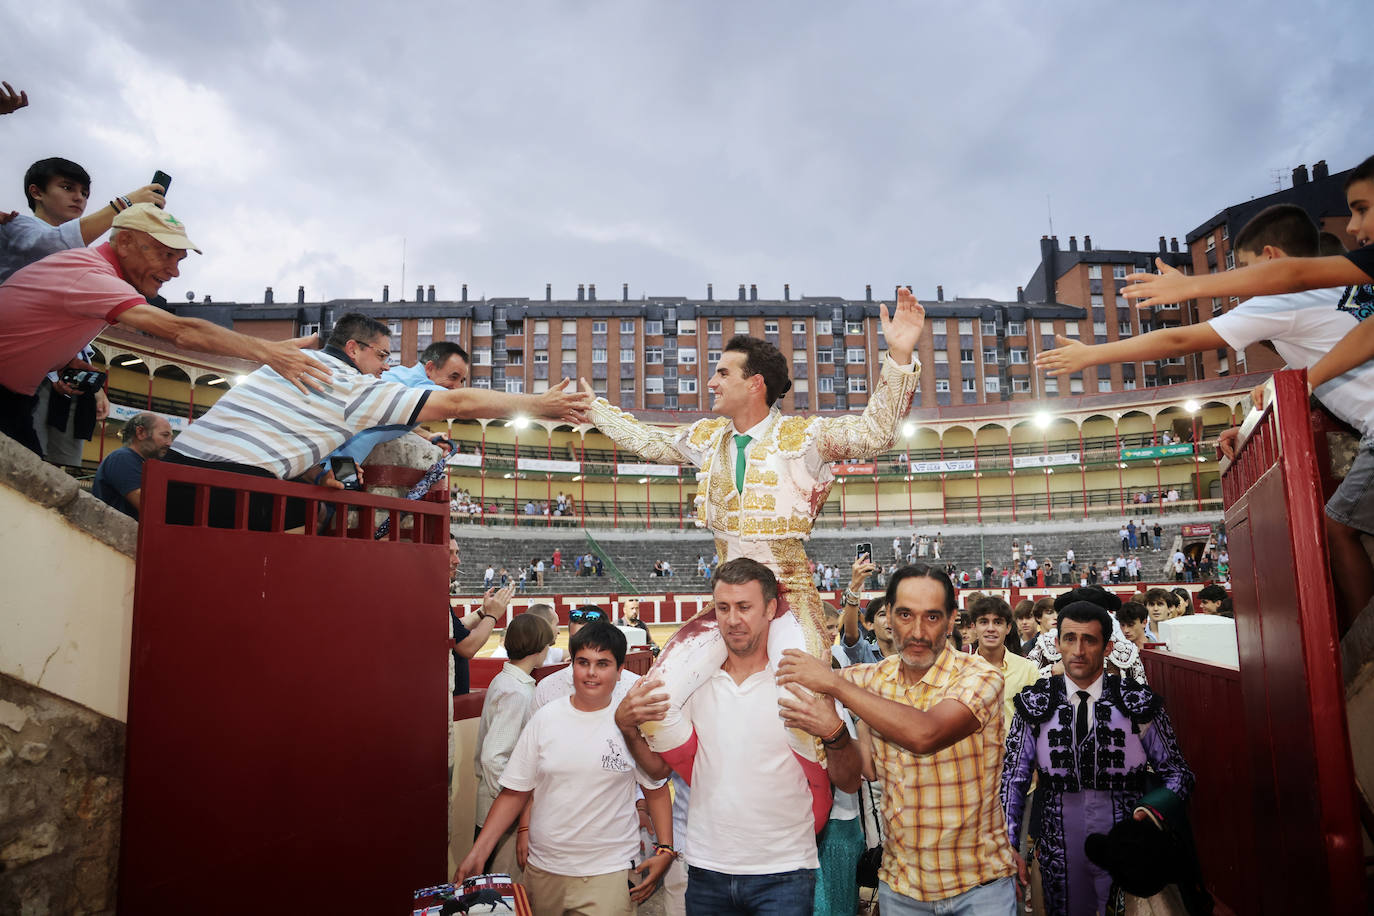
(668,145)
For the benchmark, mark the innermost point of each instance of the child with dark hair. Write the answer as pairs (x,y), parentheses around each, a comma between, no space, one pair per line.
(1133,619)
(1209,599)
(572,769)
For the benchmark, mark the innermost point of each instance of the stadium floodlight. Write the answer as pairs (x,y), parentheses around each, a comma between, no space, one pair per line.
(520,422)
(1191,406)
(1043,418)
(908,429)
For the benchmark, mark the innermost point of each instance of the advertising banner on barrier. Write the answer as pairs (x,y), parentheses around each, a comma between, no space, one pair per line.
(1044,461)
(648,470)
(867,469)
(942,467)
(466,460)
(556,465)
(1197,531)
(1156,451)
(124,414)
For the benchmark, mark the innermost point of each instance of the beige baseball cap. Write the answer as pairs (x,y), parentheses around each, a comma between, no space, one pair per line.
(160,224)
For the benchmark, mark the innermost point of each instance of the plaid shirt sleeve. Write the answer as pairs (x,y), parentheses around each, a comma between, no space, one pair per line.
(980,689)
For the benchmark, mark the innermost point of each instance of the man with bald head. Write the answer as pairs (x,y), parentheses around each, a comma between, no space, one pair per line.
(54,307)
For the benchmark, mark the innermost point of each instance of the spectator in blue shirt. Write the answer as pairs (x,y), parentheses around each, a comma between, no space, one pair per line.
(119,479)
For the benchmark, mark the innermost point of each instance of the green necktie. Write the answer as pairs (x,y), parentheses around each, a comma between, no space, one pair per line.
(741,443)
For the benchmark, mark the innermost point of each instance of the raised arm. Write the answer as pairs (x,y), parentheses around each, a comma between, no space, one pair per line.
(94,225)
(288,360)
(1267,278)
(661,446)
(1073,355)
(849,612)
(558,403)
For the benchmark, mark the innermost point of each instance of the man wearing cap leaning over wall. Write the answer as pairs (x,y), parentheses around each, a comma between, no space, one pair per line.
(54,307)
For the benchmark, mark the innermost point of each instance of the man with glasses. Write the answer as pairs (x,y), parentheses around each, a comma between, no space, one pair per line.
(55,306)
(262,427)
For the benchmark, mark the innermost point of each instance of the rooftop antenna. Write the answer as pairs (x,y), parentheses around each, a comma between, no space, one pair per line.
(403,266)
(1049,211)
(1277,176)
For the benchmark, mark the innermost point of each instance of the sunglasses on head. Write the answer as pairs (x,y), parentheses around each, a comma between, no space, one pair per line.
(586,616)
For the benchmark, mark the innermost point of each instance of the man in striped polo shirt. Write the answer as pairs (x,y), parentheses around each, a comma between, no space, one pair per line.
(265,427)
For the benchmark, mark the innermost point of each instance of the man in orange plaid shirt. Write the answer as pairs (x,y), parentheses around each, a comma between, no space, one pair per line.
(933,733)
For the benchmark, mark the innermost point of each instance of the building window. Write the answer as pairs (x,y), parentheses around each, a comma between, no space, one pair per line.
(541,357)
(598,354)
(1075,386)
(965,326)
(1019,357)
(825,385)
(687,326)
(598,327)
(1051,385)
(969,386)
(481,381)
(853,327)
(653,328)
(627,354)
(515,357)
(798,356)
(1016,329)
(481,329)
(942,356)
(1145,327)
(453,327)
(653,356)
(653,384)
(569,357)
(687,356)
(1123,329)
(1071,329)
(515,386)
(965,356)
(989,328)
(1020,385)
(798,325)
(425,326)
(1129,384)
(481,356)
(825,356)
(1118,271)
(1211,242)
(741,325)
(712,325)
(686,386)
(770,327)
(854,356)
(1094,271)
(1104,384)
(799,386)
(823,327)
(942,386)
(1096,301)
(1099,328)
(627,386)
(858,386)
(713,356)
(627,326)
(992,385)
(989,355)
(1230,260)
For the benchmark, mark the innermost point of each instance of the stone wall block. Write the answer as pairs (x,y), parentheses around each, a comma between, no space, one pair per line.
(105,524)
(28,474)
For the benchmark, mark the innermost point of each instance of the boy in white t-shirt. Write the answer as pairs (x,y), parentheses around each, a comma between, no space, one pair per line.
(583,828)
(1304,327)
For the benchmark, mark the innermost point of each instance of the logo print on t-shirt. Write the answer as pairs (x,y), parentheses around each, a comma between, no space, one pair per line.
(1358,301)
(614,758)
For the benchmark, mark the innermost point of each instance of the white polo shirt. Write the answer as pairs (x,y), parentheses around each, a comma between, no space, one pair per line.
(750,811)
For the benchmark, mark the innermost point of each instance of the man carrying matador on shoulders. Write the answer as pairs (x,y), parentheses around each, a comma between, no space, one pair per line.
(763,478)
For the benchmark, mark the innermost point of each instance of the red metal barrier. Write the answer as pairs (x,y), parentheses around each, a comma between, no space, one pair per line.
(1204,703)
(288,708)
(1303,797)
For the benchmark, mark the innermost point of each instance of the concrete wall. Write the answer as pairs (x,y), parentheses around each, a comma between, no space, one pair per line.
(65,623)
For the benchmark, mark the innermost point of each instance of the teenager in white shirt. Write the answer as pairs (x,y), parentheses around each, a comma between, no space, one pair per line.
(572,766)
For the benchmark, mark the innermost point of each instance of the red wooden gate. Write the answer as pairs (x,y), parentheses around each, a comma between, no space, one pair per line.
(289,709)
(1303,798)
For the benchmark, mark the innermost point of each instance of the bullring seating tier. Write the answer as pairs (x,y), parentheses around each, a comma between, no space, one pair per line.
(633,553)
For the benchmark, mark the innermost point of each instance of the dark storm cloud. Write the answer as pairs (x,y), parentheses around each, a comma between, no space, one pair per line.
(672,145)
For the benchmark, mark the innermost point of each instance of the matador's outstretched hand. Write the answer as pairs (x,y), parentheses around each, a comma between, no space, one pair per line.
(903,328)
